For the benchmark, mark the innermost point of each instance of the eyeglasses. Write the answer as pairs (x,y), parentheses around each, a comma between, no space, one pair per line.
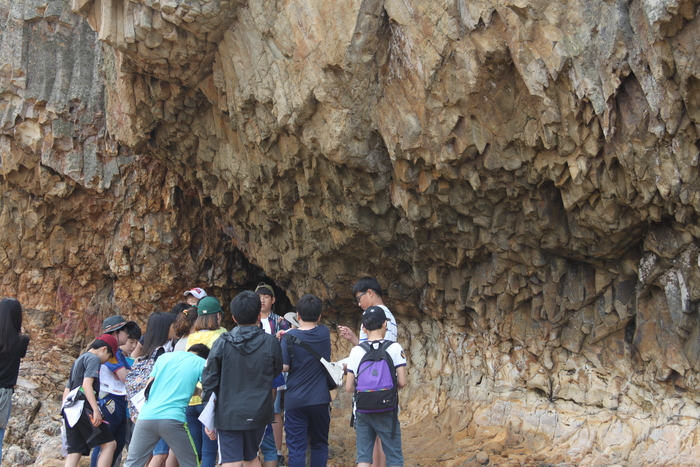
(358,297)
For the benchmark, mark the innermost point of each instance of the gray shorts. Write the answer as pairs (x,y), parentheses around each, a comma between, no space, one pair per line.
(370,425)
(146,435)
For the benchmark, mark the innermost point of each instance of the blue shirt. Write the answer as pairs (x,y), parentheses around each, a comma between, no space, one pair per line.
(306,382)
(176,376)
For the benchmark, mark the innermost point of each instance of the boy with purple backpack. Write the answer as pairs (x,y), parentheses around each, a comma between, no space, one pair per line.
(376,371)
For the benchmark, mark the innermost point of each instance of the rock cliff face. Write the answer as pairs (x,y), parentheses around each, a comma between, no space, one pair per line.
(522,176)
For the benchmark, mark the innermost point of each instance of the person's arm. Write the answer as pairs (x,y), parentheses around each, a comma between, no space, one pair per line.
(121,374)
(278,363)
(90,397)
(347,334)
(350,382)
(211,375)
(401,376)
(137,352)
(66,391)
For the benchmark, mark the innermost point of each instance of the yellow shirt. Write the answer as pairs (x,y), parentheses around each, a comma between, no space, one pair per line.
(207,338)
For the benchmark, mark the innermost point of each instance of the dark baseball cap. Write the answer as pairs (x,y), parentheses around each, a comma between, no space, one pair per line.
(114,323)
(373,317)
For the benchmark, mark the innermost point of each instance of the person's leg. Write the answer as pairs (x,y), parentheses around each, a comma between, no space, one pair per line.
(160,454)
(295,427)
(195,426)
(378,457)
(119,430)
(364,440)
(383,424)
(171,460)
(73,459)
(177,435)
(268,448)
(278,425)
(210,449)
(158,460)
(106,454)
(319,420)
(144,438)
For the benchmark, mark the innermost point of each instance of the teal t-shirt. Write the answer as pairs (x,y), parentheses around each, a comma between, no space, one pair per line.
(176,376)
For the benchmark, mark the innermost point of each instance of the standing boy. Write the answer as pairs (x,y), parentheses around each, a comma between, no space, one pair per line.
(112,387)
(368,293)
(307,400)
(272,323)
(382,424)
(240,370)
(83,385)
(173,381)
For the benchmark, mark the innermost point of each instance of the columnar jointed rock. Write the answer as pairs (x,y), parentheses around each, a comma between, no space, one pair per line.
(523,175)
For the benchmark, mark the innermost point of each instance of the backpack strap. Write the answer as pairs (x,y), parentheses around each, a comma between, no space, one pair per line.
(303,345)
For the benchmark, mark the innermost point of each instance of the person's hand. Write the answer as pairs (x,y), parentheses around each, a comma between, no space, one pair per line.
(346,333)
(210,433)
(280,333)
(96,418)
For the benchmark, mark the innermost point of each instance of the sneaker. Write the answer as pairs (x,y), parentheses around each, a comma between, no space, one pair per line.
(280,460)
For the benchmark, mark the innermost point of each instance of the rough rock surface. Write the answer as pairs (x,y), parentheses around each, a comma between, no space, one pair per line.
(521,175)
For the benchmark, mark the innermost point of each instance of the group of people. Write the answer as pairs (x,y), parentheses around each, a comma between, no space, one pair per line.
(188,391)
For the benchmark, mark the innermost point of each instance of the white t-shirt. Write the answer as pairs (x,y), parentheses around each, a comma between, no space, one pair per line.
(395,351)
(392,330)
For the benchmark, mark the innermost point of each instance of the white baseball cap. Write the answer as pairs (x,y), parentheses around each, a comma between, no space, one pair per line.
(196,293)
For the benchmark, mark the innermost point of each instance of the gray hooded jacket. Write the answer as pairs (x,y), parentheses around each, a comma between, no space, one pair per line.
(240,369)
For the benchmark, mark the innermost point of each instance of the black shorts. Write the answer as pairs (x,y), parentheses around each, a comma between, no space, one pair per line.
(239,445)
(82,436)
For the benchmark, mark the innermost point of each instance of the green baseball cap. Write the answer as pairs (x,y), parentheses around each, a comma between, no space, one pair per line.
(208,306)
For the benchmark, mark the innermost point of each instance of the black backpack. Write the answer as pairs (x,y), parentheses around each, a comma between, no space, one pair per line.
(376,386)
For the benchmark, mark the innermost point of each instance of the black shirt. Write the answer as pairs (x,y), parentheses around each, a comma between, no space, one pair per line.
(9,366)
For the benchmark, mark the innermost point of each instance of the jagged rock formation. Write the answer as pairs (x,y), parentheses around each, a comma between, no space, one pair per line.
(523,176)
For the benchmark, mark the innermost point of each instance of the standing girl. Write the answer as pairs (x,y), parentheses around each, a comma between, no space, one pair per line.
(13,347)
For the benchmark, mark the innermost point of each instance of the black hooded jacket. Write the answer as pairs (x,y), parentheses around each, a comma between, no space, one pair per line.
(240,369)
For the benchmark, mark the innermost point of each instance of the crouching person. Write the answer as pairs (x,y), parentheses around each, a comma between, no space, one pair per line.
(172,383)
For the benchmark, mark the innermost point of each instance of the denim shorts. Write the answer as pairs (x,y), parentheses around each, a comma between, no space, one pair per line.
(268,447)
(370,425)
(161,448)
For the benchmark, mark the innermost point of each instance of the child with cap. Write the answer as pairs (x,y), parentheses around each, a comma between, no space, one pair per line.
(193,296)
(89,430)
(112,400)
(272,324)
(240,370)
(369,426)
(207,330)
(368,292)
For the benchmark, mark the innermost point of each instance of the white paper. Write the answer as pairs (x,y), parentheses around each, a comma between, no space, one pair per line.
(207,415)
(139,399)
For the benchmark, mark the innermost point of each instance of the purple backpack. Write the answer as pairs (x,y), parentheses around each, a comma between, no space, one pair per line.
(376,389)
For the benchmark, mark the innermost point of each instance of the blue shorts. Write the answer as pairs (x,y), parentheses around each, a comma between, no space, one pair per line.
(370,425)
(278,401)
(268,446)
(239,445)
(161,448)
